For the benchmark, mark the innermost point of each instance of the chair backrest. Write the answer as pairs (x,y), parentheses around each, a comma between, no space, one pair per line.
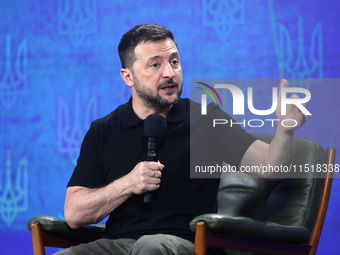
(291,201)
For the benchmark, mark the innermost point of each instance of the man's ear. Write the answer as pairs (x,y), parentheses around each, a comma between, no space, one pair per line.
(127,76)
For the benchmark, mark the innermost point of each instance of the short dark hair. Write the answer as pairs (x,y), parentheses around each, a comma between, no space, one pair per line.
(139,34)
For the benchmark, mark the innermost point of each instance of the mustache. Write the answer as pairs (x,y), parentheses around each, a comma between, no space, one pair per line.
(171,81)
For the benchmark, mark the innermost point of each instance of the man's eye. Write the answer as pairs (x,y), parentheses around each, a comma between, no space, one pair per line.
(175,62)
(154,65)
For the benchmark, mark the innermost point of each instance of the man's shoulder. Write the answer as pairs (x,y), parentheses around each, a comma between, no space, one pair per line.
(111,118)
(190,104)
(196,108)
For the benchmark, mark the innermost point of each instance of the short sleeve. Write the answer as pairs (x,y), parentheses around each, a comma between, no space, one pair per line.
(216,138)
(232,140)
(89,169)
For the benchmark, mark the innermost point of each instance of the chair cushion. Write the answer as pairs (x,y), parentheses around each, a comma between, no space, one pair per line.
(246,227)
(292,201)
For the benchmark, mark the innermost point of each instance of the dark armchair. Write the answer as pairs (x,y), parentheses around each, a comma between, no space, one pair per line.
(270,216)
(263,216)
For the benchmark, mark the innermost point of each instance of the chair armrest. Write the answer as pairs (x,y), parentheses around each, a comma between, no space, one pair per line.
(59,227)
(246,227)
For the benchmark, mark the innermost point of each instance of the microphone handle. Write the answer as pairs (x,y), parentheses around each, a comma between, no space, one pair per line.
(152,155)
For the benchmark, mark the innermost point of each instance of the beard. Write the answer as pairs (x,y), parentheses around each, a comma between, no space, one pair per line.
(156,102)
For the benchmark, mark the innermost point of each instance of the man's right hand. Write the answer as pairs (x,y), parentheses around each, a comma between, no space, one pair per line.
(145,176)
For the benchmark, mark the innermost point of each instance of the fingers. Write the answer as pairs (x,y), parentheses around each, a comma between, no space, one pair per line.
(156,174)
(154,171)
(283,84)
(154,165)
(299,116)
(146,176)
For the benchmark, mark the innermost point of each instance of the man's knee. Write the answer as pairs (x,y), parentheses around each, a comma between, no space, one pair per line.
(161,244)
(151,243)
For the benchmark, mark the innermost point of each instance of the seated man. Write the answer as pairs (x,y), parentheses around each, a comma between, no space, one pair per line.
(112,176)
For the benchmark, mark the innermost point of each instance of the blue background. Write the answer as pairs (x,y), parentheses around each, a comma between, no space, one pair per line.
(59,70)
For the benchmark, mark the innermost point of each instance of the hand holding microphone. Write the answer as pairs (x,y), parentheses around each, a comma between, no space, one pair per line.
(145,177)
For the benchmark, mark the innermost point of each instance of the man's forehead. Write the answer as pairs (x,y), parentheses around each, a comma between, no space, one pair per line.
(150,49)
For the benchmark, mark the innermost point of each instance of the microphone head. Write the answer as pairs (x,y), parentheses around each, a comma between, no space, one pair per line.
(155,126)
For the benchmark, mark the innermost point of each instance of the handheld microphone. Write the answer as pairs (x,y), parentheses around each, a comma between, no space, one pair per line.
(155,127)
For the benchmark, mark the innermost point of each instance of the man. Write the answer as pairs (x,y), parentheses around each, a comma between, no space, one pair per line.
(112,175)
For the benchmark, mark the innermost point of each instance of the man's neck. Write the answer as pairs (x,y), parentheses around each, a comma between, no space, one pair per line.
(143,111)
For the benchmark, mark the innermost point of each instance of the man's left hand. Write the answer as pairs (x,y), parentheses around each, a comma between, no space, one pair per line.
(292,112)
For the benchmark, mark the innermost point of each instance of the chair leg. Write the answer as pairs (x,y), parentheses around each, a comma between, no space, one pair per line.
(200,242)
(38,246)
(325,195)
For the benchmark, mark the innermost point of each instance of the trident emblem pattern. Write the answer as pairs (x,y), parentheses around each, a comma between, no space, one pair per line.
(223,15)
(70,129)
(300,64)
(13,192)
(14,78)
(303,65)
(77,19)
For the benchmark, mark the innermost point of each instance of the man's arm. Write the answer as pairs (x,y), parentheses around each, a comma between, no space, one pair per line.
(90,205)
(279,151)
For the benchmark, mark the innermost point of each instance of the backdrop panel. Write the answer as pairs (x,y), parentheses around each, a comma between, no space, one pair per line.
(59,70)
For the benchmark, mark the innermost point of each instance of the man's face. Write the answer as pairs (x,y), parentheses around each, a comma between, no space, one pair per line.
(157,73)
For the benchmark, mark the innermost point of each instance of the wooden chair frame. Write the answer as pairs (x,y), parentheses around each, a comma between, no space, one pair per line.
(54,232)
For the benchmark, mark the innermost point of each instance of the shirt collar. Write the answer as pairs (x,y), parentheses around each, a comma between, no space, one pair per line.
(130,119)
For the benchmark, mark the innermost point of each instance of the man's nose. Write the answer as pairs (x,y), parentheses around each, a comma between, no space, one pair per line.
(168,72)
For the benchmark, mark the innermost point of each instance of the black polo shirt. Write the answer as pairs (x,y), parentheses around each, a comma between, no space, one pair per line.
(115,144)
